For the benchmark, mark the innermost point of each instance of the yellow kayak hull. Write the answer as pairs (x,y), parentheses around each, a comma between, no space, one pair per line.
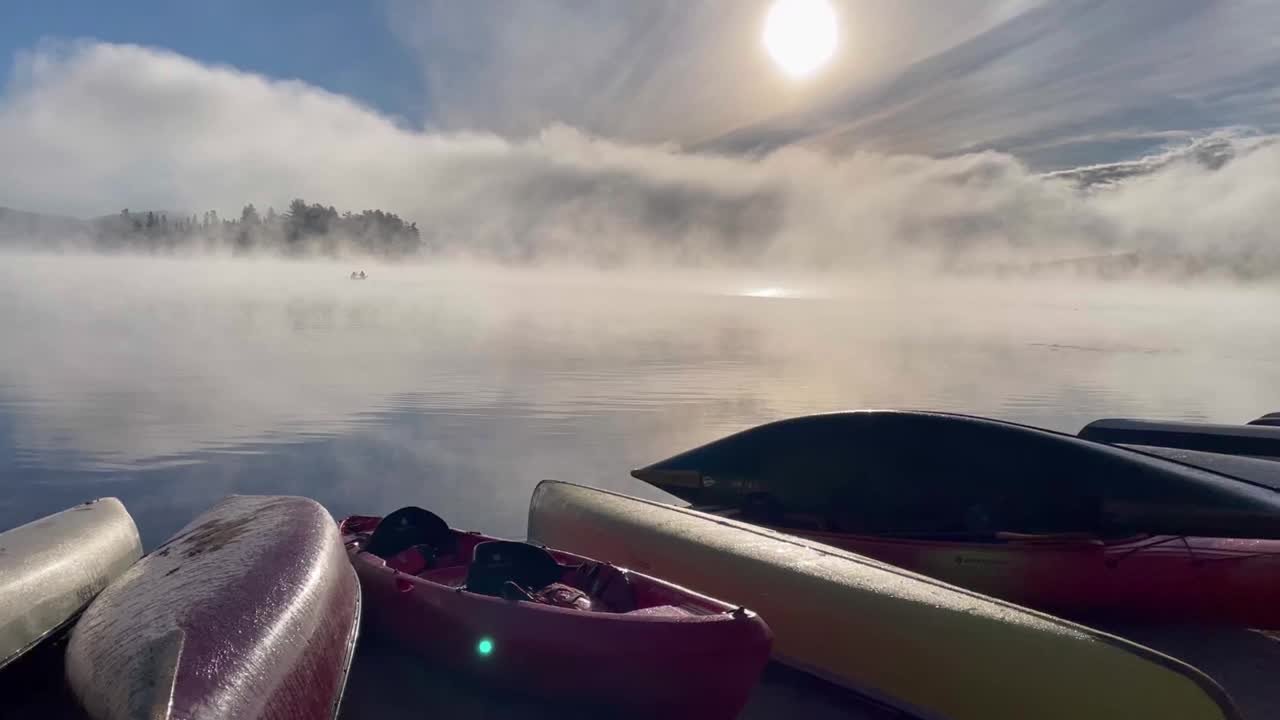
(929,648)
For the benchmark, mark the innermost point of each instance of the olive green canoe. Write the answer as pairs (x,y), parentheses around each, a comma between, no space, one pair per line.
(929,648)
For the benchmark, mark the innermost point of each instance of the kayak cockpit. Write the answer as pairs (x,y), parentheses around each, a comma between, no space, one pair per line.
(418,543)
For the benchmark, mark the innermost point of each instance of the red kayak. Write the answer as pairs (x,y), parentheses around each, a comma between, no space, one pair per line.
(1152,578)
(552,623)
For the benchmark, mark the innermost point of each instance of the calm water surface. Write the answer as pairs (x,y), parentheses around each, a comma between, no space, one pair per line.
(172,383)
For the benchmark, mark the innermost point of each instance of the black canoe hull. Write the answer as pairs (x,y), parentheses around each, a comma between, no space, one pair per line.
(893,472)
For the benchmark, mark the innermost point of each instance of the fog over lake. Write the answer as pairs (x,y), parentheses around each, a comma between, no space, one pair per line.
(173,382)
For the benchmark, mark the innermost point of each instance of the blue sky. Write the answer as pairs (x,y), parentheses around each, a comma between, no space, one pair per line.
(344,46)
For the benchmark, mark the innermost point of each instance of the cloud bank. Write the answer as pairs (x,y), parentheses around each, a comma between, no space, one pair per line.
(90,128)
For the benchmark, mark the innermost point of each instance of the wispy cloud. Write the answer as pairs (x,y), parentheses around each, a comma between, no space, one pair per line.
(660,70)
(1074,68)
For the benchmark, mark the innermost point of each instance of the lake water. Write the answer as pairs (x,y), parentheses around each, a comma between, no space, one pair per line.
(171,383)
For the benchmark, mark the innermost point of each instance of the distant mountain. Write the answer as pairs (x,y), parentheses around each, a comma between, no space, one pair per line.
(28,230)
(1210,152)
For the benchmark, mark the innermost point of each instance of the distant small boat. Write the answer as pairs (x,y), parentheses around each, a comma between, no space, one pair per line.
(50,569)
(359,276)
(552,623)
(251,611)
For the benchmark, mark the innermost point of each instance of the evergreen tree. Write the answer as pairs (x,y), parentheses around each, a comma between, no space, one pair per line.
(311,228)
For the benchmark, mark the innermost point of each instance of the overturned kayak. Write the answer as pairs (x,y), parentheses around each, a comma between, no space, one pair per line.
(912,473)
(1255,440)
(931,649)
(1255,470)
(1145,579)
(251,611)
(553,623)
(51,568)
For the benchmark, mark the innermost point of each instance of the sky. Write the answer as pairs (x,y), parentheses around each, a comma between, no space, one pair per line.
(501,123)
(511,67)
(343,47)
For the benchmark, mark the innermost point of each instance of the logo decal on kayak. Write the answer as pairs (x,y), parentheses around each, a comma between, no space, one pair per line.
(962,560)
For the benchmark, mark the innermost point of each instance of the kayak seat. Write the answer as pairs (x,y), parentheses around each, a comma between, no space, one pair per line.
(607,584)
(498,562)
(565,596)
(412,527)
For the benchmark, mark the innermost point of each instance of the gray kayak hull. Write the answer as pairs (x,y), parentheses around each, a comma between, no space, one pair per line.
(52,568)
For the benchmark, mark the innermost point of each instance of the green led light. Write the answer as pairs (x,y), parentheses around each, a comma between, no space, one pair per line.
(484,647)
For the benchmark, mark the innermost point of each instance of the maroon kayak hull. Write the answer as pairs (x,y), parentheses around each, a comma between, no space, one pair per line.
(1161,579)
(701,664)
(251,611)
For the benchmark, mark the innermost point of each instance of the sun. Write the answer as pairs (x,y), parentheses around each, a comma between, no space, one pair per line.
(800,35)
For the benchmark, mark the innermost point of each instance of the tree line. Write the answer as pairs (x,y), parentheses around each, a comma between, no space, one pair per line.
(301,230)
